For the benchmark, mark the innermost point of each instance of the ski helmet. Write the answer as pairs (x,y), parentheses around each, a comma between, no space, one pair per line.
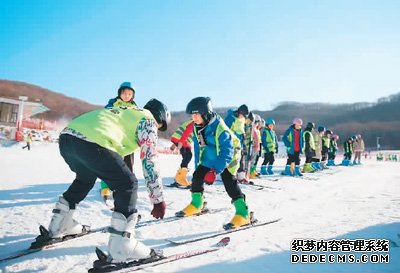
(262,122)
(310,125)
(251,116)
(298,121)
(359,136)
(243,109)
(125,85)
(335,137)
(257,118)
(202,106)
(328,132)
(160,113)
(321,129)
(270,121)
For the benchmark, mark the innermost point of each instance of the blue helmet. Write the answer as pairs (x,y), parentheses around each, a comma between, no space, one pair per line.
(270,121)
(321,128)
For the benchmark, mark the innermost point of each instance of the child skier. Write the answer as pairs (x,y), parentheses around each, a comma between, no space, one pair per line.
(359,148)
(93,145)
(125,98)
(28,140)
(182,140)
(332,150)
(217,151)
(293,140)
(309,147)
(317,135)
(235,120)
(326,140)
(256,141)
(270,145)
(348,151)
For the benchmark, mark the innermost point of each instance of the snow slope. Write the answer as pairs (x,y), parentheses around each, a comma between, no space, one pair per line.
(345,202)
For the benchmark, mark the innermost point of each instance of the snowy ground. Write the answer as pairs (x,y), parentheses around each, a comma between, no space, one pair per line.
(345,203)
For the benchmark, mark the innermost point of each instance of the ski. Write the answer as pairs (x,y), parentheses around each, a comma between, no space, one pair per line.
(251,183)
(101,265)
(178,186)
(43,241)
(221,232)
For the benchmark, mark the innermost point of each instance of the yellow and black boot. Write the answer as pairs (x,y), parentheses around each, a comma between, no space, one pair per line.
(195,207)
(241,217)
(181,177)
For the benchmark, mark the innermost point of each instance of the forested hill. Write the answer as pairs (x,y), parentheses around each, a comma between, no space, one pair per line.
(61,106)
(372,120)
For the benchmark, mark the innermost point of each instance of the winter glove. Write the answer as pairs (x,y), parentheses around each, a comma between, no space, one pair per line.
(210,177)
(159,210)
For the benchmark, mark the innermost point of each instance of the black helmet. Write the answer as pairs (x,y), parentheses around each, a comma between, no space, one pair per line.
(160,113)
(250,116)
(310,125)
(243,109)
(202,106)
(328,132)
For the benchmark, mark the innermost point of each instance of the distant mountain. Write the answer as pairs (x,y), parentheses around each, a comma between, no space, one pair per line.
(379,120)
(61,106)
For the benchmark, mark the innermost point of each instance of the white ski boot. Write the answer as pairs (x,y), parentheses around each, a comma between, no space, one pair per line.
(122,244)
(62,223)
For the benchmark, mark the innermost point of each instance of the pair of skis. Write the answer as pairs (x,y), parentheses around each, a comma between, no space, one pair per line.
(102,265)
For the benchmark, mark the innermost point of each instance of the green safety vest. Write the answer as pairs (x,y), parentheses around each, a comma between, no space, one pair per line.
(178,133)
(233,166)
(270,139)
(312,143)
(112,128)
(325,142)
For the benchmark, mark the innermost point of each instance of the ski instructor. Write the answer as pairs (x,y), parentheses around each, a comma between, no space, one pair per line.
(93,145)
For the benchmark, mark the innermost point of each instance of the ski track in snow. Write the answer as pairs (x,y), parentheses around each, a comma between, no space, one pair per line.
(354,202)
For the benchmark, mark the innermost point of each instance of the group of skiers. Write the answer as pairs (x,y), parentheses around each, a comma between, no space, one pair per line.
(100,144)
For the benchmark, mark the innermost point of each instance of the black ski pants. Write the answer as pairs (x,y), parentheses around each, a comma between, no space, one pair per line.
(269,158)
(293,158)
(229,180)
(90,161)
(186,156)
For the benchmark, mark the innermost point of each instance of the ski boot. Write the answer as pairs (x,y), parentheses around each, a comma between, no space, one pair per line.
(195,207)
(105,191)
(253,172)
(264,170)
(269,170)
(307,168)
(297,171)
(123,248)
(241,217)
(181,178)
(287,171)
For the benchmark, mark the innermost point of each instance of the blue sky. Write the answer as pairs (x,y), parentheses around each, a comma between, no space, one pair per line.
(254,52)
